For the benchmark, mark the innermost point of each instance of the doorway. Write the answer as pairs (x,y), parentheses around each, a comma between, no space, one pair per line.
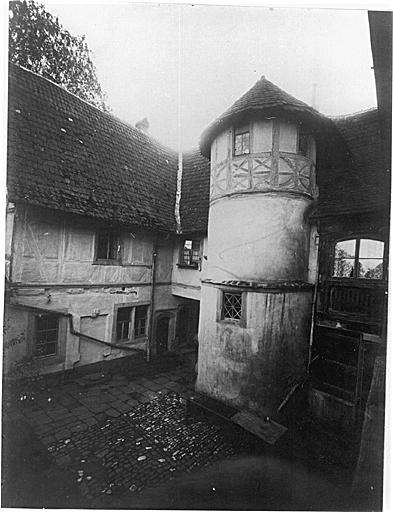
(162,332)
(188,322)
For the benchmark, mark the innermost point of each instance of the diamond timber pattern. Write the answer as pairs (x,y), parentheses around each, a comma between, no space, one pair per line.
(240,176)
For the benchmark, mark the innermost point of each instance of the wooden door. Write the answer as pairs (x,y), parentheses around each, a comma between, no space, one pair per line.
(162,331)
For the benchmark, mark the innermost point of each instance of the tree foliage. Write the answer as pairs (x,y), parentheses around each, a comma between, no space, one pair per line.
(38,42)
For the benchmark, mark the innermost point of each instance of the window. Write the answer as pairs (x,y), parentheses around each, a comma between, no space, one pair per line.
(190,254)
(302,142)
(123,324)
(359,258)
(129,318)
(46,335)
(108,246)
(140,321)
(242,142)
(232,306)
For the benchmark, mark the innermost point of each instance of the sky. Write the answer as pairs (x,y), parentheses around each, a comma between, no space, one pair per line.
(182,65)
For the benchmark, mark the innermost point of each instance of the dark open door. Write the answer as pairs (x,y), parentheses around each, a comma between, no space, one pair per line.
(162,331)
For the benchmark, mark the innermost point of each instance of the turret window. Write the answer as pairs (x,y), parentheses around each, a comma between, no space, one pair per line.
(302,142)
(242,142)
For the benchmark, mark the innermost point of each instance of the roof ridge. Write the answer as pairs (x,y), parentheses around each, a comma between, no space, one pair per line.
(353,114)
(107,114)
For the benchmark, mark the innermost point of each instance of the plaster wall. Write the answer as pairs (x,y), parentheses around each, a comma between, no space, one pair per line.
(254,366)
(262,136)
(258,237)
(288,137)
(186,282)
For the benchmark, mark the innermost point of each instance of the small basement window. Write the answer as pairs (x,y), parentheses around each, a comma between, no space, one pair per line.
(123,324)
(46,339)
(108,246)
(241,142)
(359,258)
(190,253)
(232,306)
(140,321)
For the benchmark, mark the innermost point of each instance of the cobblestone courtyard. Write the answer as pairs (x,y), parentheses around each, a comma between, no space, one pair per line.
(106,441)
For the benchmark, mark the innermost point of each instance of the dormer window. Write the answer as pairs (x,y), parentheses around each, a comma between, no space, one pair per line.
(242,141)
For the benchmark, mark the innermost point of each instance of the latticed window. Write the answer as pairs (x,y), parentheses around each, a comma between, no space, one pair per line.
(232,306)
(46,335)
(242,143)
(123,323)
(140,321)
(108,245)
(191,253)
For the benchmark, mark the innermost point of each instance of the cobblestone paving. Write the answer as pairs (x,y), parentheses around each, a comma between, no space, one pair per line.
(118,436)
(148,445)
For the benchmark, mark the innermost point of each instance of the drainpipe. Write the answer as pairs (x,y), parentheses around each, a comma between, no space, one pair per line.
(178,192)
(153,285)
(314,304)
(75,332)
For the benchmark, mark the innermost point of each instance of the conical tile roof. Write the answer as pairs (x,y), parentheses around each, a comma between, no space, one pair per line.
(263,96)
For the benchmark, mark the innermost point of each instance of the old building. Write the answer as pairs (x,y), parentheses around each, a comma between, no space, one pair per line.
(268,247)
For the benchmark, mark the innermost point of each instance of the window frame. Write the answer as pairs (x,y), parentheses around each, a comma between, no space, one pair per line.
(62,329)
(241,131)
(301,132)
(192,264)
(145,319)
(241,321)
(113,235)
(356,259)
(38,318)
(132,336)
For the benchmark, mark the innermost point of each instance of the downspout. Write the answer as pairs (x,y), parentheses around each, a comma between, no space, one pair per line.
(178,191)
(153,285)
(179,139)
(75,332)
(314,304)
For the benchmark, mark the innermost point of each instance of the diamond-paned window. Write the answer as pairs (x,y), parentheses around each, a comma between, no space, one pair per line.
(232,306)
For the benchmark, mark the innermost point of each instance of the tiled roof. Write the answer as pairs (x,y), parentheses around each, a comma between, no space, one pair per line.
(359,183)
(67,155)
(194,209)
(263,96)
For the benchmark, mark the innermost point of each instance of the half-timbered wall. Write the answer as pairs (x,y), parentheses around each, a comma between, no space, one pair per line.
(273,162)
(53,267)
